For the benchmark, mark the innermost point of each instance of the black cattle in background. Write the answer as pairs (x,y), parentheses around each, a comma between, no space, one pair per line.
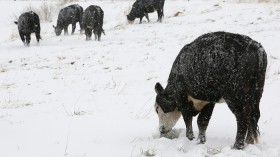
(28,23)
(141,8)
(215,67)
(93,21)
(69,15)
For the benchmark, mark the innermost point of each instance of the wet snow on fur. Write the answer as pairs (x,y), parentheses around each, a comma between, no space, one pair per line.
(72,98)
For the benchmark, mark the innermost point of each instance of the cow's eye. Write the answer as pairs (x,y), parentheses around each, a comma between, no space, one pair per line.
(157,109)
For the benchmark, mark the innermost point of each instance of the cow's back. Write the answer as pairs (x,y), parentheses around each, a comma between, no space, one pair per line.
(88,15)
(28,22)
(66,16)
(93,13)
(158,4)
(78,11)
(219,63)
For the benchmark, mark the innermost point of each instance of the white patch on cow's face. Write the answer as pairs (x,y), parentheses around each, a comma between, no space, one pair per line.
(167,120)
(130,22)
(57,31)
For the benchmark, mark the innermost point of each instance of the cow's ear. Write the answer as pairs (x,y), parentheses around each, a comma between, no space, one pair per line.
(16,22)
(158,88)
(53,26)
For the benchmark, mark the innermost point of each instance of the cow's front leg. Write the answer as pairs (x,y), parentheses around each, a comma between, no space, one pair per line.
(99,34)
(203,121)
(187,115)
(65,30)
(38,37)
(73,28)
(88,33)
(141,19)
(22,37)
(147,17)
(160,14)
(28,38)
(95,35)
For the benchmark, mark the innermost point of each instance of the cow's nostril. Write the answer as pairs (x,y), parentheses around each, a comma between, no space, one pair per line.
(163,130)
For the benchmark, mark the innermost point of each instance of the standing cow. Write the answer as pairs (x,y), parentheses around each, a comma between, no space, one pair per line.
(28,23)
(215,67)
(93,21)
(69,15)
(141,8)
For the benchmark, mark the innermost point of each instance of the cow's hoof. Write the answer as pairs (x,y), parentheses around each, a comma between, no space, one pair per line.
(249,140)
(190,136)
(202,139)
(238,146)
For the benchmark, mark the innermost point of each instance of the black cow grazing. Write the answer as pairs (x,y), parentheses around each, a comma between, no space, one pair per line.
(93,21)
(141,8)
(28,23)
(69,15)
(215,67)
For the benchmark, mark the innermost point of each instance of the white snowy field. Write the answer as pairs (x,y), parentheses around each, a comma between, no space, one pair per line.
(68,97)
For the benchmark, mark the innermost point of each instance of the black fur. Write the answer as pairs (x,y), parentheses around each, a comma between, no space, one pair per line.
(28,23)
(93,21)
(141,8)
(69,15)
(214,66)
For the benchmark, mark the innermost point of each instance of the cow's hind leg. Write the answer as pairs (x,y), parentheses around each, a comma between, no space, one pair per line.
(253,130)
(241,110)
(203,121)
(81,27)
(73,28)
(160,14)
(99,35)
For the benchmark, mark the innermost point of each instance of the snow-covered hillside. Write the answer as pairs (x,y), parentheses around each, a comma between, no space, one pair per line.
(75,98)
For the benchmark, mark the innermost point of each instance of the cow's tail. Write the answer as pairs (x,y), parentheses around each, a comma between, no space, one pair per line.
(259,84)
(103,31)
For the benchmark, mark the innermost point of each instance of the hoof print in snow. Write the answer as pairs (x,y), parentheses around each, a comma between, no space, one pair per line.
(150,152)
(213,151)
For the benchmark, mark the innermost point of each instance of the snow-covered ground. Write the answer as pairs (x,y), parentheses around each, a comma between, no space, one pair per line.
(75,98)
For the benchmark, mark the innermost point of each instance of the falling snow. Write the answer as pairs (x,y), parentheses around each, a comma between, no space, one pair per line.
(73,98)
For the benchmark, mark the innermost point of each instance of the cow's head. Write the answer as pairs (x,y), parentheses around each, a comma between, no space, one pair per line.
(57,30)
(130,18)
(166,110)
